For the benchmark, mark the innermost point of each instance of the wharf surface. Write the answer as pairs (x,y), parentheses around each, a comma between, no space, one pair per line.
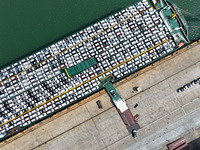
(165,115)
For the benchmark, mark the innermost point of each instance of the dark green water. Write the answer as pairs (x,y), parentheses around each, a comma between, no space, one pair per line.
(29,25)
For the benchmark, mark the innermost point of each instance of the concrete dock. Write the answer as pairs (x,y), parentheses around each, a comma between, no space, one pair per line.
(165,115)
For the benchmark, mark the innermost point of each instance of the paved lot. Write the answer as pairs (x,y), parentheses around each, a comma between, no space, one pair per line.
(164,114)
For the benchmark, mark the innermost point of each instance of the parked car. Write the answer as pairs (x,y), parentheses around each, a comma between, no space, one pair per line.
(99,104)
(194,82)
(180,90)
(198,80)
(187,86)
(112,93)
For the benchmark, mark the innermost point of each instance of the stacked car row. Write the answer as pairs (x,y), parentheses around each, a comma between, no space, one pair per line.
(49,108)
(188,85)
(39,95)
(55,104)
(62,45)
(43,71)
(43,89)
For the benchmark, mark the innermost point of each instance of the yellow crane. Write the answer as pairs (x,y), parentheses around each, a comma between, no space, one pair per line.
(173,15)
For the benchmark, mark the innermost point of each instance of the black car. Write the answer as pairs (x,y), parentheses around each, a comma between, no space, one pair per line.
(99,104)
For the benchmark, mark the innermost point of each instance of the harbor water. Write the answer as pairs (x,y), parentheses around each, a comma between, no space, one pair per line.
(27,26)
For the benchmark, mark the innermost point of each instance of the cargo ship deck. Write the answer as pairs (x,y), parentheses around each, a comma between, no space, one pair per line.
(68,71)
(165,114)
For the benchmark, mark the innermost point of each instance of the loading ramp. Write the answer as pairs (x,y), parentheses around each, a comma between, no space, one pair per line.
(122,108)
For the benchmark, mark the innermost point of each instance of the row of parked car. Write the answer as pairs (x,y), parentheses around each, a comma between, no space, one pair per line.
(108,56)
(188,85)
(48,69)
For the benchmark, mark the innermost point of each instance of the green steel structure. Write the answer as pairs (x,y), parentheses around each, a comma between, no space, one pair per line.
(80,67)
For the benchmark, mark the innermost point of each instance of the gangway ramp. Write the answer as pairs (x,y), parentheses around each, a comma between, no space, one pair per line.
(121,106)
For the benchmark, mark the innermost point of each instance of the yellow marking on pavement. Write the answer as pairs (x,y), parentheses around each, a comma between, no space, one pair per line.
(85,82)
